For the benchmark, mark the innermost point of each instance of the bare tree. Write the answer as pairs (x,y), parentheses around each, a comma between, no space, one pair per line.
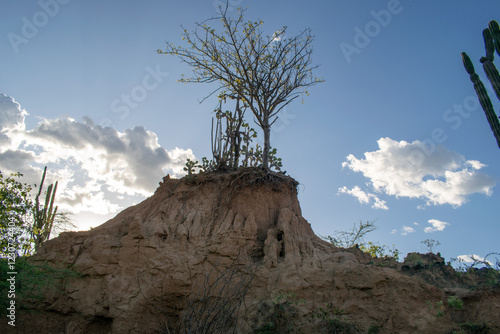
(215,308)
(265,72)
(213,305)
(349,238)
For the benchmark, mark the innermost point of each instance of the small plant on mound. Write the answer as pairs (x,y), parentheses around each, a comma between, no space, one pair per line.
(414,259)
(455,302)
(380,251)
(439,309)
(430,244)
(190,166)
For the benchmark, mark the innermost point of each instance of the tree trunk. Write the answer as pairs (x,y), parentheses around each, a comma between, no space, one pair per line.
(267,145)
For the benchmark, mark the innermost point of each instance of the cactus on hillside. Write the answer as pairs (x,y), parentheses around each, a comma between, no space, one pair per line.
(491,37)
(44,216)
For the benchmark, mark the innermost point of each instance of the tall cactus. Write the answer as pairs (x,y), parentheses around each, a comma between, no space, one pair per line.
(488,66)
(44,216)
(491,37)
(495,32)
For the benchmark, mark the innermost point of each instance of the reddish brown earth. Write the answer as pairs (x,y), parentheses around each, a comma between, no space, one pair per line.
(153,261)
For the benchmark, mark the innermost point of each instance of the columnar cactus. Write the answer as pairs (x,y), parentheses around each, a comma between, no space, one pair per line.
(495,32)
(488,66)
(44,216)
(484,99)
(491,37)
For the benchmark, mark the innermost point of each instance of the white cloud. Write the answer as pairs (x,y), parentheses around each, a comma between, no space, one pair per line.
(364,197)
(437,225)
(97,167)
(407,230)
(12,116)
(128,162)
(414,170)
(475,164)
(472,258)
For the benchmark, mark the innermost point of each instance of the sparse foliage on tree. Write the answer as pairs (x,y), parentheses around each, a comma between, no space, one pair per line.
(262,72)
(15,208)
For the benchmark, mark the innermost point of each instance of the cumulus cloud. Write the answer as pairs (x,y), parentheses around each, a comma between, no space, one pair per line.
(129,162)
(11,118)
(364,197)
(407,230)
(436,225)
(415,170)
(95,165)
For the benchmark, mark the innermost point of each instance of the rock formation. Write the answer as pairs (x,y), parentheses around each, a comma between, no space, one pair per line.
(218,236)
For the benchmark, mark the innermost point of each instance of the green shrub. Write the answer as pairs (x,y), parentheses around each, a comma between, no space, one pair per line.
(380,251)
(440,309)
(413,259)
(455,302)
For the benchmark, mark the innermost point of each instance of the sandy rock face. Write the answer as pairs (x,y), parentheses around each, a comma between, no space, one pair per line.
(149,263)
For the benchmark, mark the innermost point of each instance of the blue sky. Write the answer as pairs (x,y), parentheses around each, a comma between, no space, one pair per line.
(395,134)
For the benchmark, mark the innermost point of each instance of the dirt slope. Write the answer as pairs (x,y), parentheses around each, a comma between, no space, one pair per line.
(156,261)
